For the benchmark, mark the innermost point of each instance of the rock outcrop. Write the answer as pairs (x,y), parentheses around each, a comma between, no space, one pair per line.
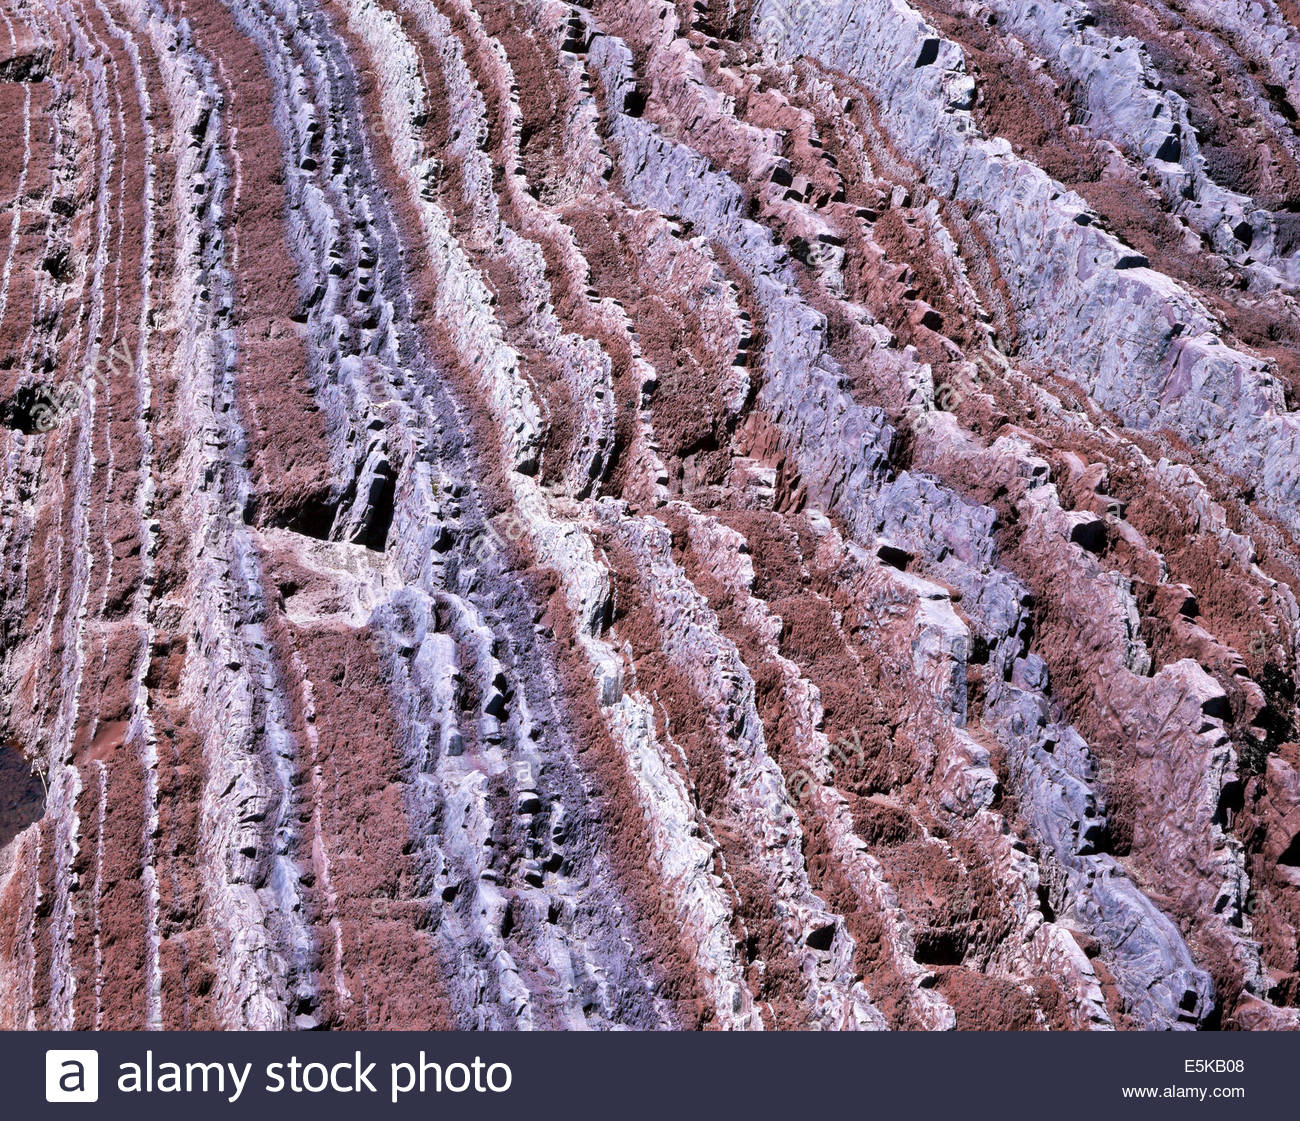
(520,514)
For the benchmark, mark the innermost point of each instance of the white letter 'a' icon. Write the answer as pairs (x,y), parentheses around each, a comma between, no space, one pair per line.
(72,1076)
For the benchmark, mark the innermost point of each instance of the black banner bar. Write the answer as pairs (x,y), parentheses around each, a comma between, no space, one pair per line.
(641,1075)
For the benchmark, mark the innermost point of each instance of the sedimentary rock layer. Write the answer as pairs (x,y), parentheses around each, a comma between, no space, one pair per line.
(740,515)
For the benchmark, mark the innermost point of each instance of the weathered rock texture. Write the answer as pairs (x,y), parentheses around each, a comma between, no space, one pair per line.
(519,514)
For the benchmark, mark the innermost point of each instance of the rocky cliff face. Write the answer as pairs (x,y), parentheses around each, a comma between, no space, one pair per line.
(519,514)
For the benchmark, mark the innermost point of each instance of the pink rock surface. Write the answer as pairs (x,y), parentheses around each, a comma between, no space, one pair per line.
(528,515)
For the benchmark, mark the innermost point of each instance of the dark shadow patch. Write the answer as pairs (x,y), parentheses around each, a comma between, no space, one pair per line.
(33,409)
(22,794)
(311,513)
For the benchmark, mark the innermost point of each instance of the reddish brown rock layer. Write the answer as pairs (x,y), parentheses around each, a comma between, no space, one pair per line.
(524,515)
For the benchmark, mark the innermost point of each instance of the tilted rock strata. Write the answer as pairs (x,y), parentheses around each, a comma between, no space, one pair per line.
(525,515)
